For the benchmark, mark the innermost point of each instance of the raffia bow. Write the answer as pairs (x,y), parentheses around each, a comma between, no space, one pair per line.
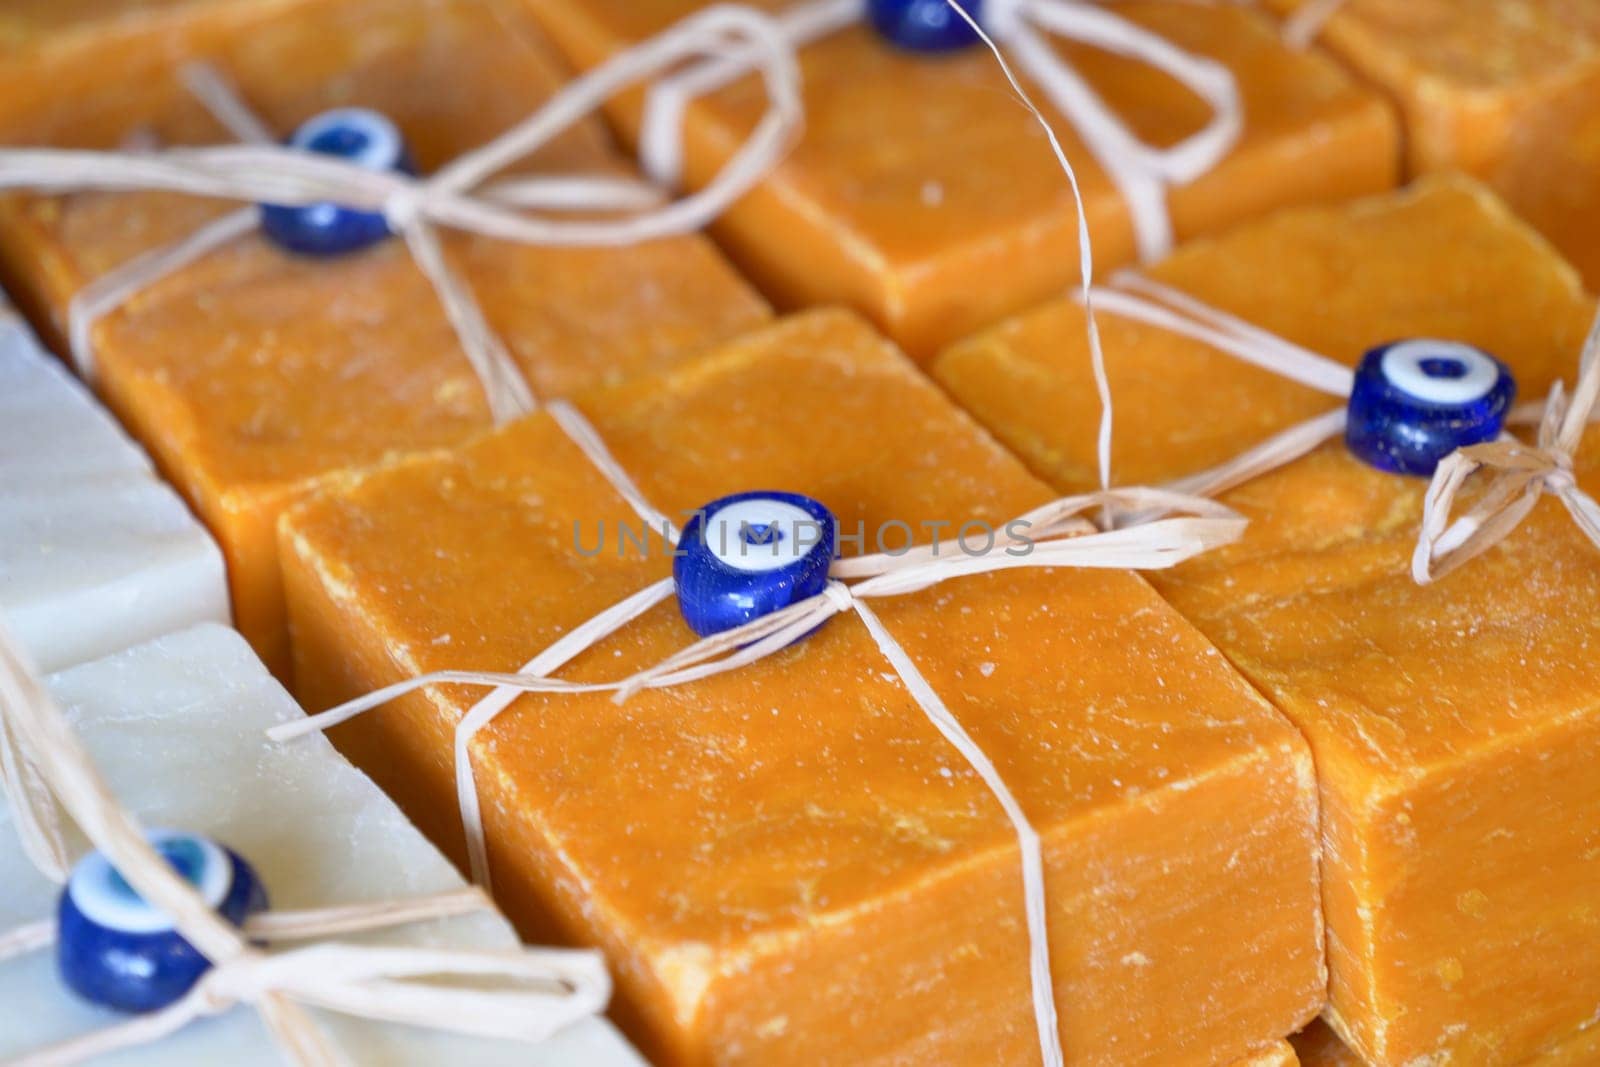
(48,772)
(1141,172)
(1520,474)
(458,197)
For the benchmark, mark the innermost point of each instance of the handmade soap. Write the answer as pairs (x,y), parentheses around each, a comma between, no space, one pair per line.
(924,196)
(254,373)
(96,553)
(1508,90)
(766,851)
(1454,725)
(177,726)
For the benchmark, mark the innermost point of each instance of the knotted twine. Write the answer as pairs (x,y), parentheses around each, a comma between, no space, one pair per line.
(48,774)
(1519,475)
(258,171)
(1060,534)
(1521,472)
(1142,173)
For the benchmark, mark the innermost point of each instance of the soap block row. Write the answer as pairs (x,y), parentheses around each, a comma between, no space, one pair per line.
(924,198)
(177,728)
(96,552)
(922,195)
(919,193)
(1455,725)
(255,374)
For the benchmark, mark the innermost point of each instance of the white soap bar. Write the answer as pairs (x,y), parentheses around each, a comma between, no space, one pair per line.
(96,552)
(176,726)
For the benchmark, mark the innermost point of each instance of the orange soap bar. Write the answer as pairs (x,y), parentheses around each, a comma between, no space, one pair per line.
(254,373)
(923,195)
(787,864)
(1508,90)
(1456,726)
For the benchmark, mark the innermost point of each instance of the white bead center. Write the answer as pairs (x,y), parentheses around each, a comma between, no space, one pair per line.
(373,141)
(758,534)
(1404,365)
(106,900)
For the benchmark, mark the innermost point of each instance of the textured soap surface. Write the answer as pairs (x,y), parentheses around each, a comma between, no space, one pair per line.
(253,373)
(764,852)
(1454,725)
(176,727)
(1318,1046)
(1508,90)
(1278,1054)
(924,196)
(96,553)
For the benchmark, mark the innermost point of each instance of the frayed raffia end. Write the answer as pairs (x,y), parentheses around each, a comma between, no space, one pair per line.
(1308,21)
(1519,473)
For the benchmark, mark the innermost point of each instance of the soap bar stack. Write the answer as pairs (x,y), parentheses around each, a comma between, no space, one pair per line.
(177,729)
(96,552)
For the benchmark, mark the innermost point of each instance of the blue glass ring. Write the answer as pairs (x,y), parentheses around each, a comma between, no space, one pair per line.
(115,950)
(1415,402)
(924,25)
(747,555)
(363,137)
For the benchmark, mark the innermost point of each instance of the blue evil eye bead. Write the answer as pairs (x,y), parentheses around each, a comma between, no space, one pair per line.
(1415,402)
(924,25)
(750,554)
(363,137)
(117,951)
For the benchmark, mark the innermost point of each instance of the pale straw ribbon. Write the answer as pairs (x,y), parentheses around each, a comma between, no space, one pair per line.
(1308,20)
(258,171)
(1520,475)
(1523,472)
(525,995)
(1142,173)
